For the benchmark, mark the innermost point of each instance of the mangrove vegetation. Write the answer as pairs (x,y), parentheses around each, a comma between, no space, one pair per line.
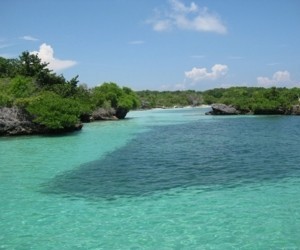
(55,103)
(254,100)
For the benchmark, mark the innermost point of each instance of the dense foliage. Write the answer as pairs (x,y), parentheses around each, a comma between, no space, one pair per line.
(155,99)
(53,111)
(111,95)
(56,103)
(248,99)
(255,100)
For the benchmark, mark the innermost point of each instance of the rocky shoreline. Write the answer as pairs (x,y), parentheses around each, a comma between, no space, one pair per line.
(223,109)
(104,114)
(16,121)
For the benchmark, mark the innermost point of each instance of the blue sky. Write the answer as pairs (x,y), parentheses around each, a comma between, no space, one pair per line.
(159,44)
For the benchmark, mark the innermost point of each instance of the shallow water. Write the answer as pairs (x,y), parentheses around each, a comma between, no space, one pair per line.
(161,179)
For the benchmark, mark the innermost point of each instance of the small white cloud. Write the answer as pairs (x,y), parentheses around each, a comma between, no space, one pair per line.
(264,81)
(273,63)
(200,74)
(278,78)
(282,76)
(46,54)
(178,6)
(197,56)
(29,38)
(206,22)
(136,42)
(162,25)
(187,18)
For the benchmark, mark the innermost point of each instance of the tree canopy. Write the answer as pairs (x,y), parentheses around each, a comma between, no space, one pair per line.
(153,99)
(251,99)
(55,102)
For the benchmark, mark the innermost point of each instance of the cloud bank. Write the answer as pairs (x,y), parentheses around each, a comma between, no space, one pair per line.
(46,54)
(200,74)
(190,17)
(278,78)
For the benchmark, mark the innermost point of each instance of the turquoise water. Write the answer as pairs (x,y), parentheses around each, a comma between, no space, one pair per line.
(161,179)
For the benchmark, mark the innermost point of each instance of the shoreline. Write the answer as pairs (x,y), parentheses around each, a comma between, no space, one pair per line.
(16,123)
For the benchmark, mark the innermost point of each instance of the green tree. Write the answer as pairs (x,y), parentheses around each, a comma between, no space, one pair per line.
(130,97)
(116,96)
(22,87)
(6,100)
(8,67)
(31,65)
(53,111)
(107,92)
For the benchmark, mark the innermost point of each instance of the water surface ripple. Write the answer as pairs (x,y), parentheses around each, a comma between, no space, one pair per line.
(164,179)
(218,154)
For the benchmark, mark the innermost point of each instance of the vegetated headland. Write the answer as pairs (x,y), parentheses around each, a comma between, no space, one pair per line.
(229,101)
(35,100)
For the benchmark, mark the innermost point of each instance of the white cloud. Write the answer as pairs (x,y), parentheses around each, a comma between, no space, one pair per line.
(273,63)
(278,78)
(282,76)
(46,54)
(180,7)
(162,25)
(200,74)
(188,18)
(29,38)
(136,42)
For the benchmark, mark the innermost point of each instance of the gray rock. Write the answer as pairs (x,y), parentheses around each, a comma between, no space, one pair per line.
(104,114)
(15,121)
(121,113)
(222,109)
(295,110)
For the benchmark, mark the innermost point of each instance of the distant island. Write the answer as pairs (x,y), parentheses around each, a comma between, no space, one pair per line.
(229,101)
(35,100)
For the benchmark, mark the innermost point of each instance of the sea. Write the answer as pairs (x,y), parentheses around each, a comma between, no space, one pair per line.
(160,179)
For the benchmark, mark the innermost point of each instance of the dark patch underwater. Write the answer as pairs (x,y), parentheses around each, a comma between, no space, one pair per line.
(210,154)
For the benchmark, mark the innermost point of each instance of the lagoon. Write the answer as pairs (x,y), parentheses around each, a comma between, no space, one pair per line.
(160,179)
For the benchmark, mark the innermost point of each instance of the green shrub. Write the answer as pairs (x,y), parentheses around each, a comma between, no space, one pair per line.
(53,111)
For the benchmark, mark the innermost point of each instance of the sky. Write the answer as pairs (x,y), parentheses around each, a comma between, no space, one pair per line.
(159,44)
